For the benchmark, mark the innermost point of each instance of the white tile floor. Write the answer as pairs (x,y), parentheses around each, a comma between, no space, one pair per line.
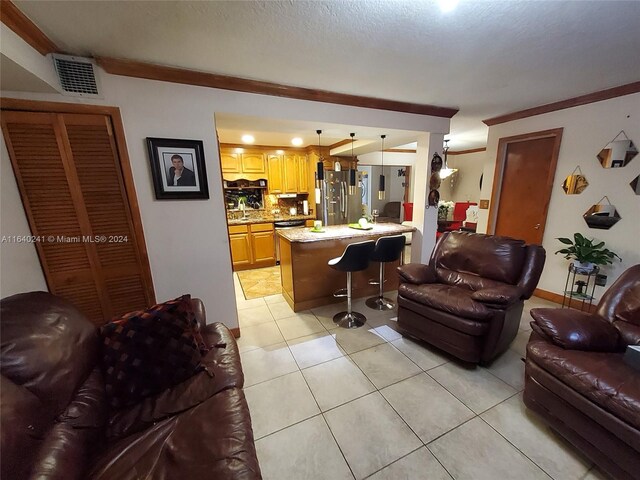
(330,403)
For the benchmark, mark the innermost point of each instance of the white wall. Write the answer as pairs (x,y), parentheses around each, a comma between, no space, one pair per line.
(587,129)
(187,241)
(465,186)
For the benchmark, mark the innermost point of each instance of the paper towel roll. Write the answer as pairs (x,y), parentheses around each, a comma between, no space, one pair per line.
(305,207)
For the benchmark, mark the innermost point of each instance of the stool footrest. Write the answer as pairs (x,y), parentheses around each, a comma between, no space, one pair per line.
(342,292)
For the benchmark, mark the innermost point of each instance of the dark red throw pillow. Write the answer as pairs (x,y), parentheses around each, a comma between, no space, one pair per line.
(149,351)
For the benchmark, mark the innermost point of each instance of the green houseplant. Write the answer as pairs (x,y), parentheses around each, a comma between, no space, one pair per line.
(585,254)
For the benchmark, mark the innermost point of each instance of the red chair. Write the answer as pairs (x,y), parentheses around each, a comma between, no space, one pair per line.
(459,215)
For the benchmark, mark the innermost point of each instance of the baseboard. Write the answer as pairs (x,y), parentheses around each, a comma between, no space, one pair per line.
(557,298)
(235,332)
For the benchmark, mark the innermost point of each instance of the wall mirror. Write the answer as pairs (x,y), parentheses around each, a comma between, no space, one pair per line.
(617,153)
(635,185)
(603,215)
(575,183)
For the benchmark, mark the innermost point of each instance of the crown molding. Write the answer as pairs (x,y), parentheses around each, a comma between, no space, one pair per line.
(569,103)
(464,152)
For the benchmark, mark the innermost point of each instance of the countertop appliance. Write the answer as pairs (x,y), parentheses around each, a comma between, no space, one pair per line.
(337,206)
(281,225)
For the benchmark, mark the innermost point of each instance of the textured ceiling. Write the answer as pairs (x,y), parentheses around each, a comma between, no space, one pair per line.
(486,58)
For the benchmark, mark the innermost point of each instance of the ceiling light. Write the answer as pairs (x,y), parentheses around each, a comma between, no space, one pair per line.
(279,152)
(296,141)
(447,5)
(248,139)
(239,150)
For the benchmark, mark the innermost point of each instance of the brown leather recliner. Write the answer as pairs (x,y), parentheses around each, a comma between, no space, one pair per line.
(56,423)
(577,380)
(468,301)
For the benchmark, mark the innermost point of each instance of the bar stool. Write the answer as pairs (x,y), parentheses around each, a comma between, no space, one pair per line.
(354,259)
(388,249)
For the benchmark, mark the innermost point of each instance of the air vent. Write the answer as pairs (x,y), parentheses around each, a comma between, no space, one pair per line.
(77,75)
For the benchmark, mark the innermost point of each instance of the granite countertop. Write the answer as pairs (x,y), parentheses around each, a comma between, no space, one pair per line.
(266,218)
(333,232)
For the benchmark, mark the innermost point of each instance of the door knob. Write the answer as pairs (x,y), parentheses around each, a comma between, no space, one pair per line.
(537,227)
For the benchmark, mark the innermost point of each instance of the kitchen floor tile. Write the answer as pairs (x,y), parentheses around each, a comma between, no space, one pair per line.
(299,325)
(425,356)
(244,304)
(279,403)
(533,438)
(277,298)
(474,451)
(248,317)
(384,365)
(420,464)
(427,408)
(370,434)
(325,314)
(306,450)
(281,310)
(314,349)
(258,336)
(475,387)
(519,344)
(336,382)
(266,363)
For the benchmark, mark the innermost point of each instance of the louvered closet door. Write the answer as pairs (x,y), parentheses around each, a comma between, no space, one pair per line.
(71,184)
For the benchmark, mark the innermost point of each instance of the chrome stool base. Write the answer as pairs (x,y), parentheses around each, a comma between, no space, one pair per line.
(349,319)
(379,303)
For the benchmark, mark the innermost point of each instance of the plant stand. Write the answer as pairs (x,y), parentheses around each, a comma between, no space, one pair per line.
(585,281)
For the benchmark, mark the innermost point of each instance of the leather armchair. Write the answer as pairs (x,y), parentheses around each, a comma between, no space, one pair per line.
(577,380)
(468,300)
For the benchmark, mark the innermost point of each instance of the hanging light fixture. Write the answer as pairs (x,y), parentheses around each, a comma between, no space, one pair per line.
(352,170)
(320,165)
(381,185)
(446,171)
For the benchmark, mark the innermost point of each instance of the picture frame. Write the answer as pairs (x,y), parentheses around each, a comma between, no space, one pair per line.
(168,156)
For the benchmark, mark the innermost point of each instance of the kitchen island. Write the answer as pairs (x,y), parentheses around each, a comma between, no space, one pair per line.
(307,280)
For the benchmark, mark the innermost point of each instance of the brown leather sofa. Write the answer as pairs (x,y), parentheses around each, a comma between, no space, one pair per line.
(56,423)
(390,213)
(468,300)
(577,380)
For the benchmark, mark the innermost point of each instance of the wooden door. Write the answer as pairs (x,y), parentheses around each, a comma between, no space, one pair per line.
(524,176)
(240,249)
(303,174)
(71,183)
(253,163)
(275,182)
(230,162)
(290,174)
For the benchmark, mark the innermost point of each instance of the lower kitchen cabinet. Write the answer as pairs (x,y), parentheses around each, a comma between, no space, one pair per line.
(252,246)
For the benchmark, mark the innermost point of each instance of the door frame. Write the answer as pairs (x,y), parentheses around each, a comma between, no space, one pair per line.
(21,105)
(501,157)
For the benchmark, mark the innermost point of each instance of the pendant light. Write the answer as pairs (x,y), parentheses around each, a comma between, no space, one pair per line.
(320,165)
(446,171)
(381,185)
(352,170)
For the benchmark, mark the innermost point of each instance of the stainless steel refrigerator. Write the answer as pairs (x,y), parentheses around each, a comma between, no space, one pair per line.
(337,207)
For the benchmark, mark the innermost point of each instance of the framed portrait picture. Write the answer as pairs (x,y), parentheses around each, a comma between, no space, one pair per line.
(178,168)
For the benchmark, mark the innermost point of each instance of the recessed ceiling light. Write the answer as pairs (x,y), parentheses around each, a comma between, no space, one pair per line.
(447,5)
(296,141)
(248,139)
(279,152)
(239,150)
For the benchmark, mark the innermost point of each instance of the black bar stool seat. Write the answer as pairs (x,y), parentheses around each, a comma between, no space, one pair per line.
(387,249)
(354,259)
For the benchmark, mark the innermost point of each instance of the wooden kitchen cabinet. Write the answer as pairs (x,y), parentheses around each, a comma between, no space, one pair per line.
(274,180)
(290,173)
(303,174)
(252,246)
(242,163)
(253,163)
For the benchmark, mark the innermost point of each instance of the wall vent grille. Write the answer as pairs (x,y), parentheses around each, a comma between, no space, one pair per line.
(77,75)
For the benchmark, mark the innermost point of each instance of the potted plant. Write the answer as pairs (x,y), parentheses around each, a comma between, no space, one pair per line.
(585,254)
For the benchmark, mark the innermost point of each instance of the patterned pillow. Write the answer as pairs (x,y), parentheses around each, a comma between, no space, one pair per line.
(149,351)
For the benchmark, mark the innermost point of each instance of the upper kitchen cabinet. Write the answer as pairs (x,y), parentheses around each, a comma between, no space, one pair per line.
(250,165)
(275,182)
